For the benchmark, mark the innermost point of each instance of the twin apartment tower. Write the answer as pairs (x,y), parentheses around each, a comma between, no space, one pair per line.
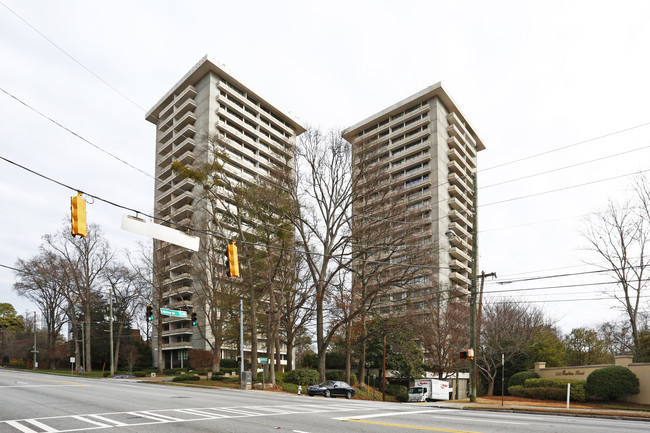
(423,147)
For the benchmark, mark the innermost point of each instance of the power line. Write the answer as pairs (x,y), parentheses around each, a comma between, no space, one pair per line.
(71,57)
(9,267)
(620,131)
(563,188)
(210,233)
(76,134)
(566,167)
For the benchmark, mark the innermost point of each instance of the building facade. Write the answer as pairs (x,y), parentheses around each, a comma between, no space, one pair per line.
(415,161)
(206,105)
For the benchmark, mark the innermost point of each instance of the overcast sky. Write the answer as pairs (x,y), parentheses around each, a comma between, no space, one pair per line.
(529,76)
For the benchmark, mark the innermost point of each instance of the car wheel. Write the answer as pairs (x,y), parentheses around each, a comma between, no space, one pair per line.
(326,393)
(348,395)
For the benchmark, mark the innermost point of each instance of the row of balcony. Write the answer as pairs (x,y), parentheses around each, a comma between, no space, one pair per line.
(454,121)
(223,85)
(178,104)
(395,121)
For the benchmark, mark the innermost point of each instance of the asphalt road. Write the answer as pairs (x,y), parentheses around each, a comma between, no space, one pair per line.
(35,403)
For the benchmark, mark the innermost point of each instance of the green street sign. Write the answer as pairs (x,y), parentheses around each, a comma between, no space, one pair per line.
(264,361)
(173,313)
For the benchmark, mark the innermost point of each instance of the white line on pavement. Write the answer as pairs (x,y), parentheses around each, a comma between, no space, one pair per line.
(379,415)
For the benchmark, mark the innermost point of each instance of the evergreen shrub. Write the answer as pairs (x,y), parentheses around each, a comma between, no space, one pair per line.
(612,383)
(302,376)
(519,378)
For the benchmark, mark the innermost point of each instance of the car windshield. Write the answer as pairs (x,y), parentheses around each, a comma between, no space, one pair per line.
(416,390)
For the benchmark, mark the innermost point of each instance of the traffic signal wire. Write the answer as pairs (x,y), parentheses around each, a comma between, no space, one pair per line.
(116,90)
(85,140)
(213,234)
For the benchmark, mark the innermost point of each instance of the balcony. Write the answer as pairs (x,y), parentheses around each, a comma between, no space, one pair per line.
(459,230)
(457,265)
(459,254)
(458,205)
(459,278)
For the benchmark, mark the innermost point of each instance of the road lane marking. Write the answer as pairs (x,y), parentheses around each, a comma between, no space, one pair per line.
(379,415)
(479,419)
(42,426)
(413,427)
(39,378)
(22,428)
(109,421)
(90,421)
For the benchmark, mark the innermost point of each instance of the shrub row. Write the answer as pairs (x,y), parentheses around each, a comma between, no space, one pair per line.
(186,377)
(400,392)
(549,389)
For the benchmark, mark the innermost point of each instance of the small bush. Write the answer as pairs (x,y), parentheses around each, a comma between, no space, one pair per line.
(517,391)
(302,376)
(230,363)
(18,364)
(140,374)
(173,371)
(186,378)
(612,383)
(519,378)
(394,390)
(545,393)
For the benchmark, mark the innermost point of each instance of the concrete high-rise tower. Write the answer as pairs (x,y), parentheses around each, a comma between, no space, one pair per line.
(259,139)
(424,150)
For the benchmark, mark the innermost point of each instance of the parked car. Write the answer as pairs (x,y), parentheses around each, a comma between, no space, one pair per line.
(331,388)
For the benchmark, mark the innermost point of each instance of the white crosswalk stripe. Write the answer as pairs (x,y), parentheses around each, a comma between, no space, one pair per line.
(163,416)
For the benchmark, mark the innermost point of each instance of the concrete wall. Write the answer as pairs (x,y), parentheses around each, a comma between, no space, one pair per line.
(642,371)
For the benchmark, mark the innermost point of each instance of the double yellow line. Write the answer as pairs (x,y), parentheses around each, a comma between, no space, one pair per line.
(38,378)
(413,427)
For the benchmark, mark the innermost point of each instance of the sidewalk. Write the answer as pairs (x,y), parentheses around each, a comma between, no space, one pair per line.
(547,410)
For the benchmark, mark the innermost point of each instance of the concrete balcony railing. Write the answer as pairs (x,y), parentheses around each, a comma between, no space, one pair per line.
(459,254)
(459,230)
(459,278)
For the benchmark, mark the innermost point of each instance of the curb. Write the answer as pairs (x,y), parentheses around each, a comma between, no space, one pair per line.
(626,416)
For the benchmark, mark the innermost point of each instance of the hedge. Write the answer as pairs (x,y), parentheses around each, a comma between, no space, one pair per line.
(519,378)
(549,389)
(398,391)
(612,383)
(186,377)
(302,376)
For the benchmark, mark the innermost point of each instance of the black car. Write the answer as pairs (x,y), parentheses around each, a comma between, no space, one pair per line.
(331,388)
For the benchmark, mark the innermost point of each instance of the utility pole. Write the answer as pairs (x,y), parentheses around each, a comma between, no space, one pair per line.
(110,296)
(480,309)
(34,351)
(473,376)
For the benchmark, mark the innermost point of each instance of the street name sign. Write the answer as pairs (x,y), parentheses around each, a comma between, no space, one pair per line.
(173,313)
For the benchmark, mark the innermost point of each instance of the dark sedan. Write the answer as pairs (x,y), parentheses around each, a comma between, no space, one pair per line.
(331,388)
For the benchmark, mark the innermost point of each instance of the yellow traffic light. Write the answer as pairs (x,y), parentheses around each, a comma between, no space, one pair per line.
(78,210)
(233,260)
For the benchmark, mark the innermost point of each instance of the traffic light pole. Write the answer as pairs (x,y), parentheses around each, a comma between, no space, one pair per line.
(473,376)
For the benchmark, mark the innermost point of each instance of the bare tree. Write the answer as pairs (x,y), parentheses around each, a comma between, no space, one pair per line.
(323,197)
(127,291)
(508,328)
(42,281)
(84,260)
(443,330)
(149,279)
(620,235)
